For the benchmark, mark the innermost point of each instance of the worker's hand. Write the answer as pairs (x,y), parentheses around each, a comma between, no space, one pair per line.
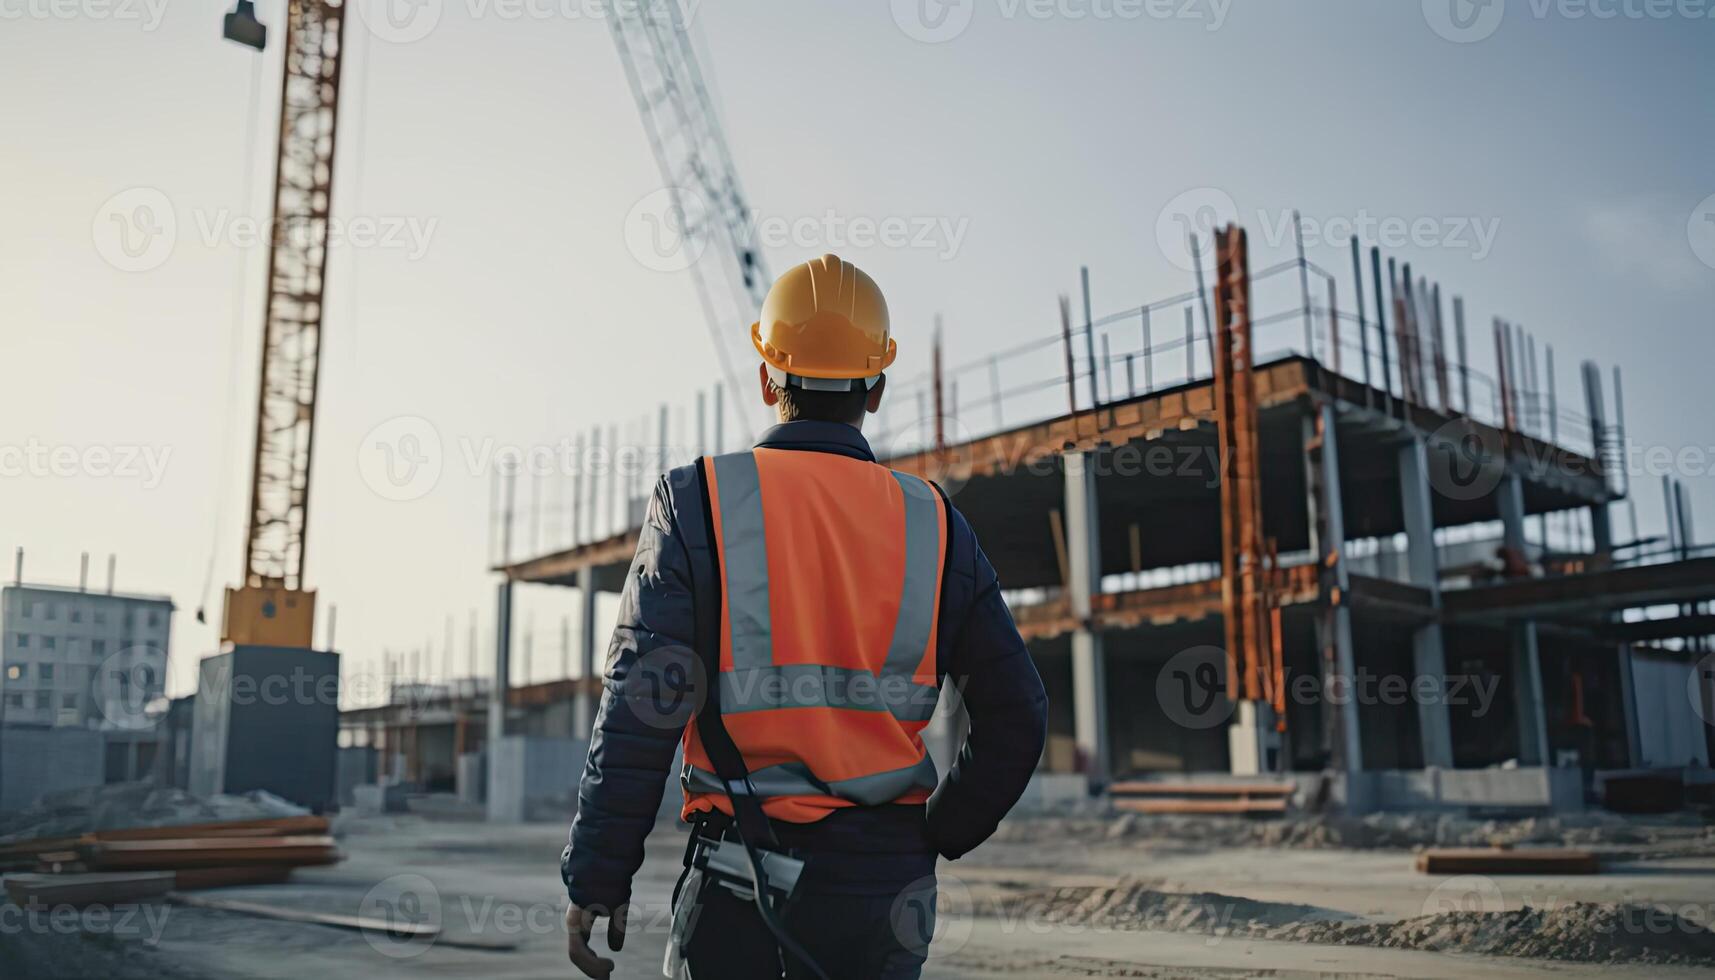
(580,923)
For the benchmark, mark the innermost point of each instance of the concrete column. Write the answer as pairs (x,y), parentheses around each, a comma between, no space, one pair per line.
(1601,530)
(1526,665)
(1252,740)
(1428,646)
(1089,674)
(1602,535)
(1334,628)
(584,707)
(498,808)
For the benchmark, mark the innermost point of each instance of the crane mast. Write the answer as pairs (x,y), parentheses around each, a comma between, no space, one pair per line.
(271,606)
(696,166)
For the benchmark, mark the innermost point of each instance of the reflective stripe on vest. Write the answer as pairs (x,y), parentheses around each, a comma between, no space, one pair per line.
(808,656)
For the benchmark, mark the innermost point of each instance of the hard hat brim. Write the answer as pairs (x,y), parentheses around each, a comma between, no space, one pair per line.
(780,359)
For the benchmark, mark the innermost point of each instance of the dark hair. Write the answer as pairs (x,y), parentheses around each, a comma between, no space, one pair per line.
(803,404)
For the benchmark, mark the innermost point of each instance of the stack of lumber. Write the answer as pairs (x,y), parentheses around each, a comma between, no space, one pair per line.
(1161,796)
(206,855)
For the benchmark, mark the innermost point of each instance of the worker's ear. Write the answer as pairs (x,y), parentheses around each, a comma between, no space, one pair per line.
(770,397)
(872,404)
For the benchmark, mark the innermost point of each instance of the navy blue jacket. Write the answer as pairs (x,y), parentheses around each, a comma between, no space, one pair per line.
(636,731)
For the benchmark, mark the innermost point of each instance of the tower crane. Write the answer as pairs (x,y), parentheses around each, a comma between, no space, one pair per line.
(696,166)
(271,606)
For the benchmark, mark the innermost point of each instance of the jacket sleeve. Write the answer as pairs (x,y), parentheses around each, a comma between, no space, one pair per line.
(643,711)
(983,655)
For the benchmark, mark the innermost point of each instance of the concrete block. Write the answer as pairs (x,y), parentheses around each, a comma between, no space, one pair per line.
(472,780)
(1050,792)
(34,761)
(355,767)
(377,798)
(534,778)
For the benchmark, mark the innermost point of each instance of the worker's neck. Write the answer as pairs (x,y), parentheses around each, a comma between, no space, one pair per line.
(857,424)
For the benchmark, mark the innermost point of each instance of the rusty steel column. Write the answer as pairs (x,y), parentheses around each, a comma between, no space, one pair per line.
(1243,576)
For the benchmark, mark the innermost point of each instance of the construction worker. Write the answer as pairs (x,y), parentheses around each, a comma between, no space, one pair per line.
(838,596)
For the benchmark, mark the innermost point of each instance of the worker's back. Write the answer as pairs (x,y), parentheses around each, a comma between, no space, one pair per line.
(824,599)
(829,570)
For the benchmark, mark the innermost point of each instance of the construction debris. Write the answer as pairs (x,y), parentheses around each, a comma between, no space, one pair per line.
(135,841)
(134,805)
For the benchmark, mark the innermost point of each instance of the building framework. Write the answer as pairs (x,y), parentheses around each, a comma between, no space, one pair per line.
(1404,637)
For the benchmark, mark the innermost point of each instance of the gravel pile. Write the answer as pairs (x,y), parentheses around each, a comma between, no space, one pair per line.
(1133,904)
(1614,835)
(1584,932)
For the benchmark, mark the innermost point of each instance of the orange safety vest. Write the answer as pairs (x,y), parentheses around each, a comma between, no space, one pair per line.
(830,574)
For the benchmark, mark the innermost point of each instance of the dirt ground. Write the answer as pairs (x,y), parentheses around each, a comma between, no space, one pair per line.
(1049,898)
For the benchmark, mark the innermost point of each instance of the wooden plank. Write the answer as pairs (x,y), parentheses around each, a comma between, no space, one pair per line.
(1141,788)
(401,930)
(1201,806)
(1506,861)
(209,852)
(87,889)
(273,827)
(264,827)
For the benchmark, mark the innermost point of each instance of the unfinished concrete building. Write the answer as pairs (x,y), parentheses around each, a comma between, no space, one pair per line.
(1313,550)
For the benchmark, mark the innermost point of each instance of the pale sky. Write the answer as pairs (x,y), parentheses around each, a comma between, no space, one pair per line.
(490,291)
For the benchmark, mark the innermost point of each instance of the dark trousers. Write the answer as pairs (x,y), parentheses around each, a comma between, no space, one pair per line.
(862,937)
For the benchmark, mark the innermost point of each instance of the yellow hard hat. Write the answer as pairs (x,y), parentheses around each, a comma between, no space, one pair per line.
(824,324)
